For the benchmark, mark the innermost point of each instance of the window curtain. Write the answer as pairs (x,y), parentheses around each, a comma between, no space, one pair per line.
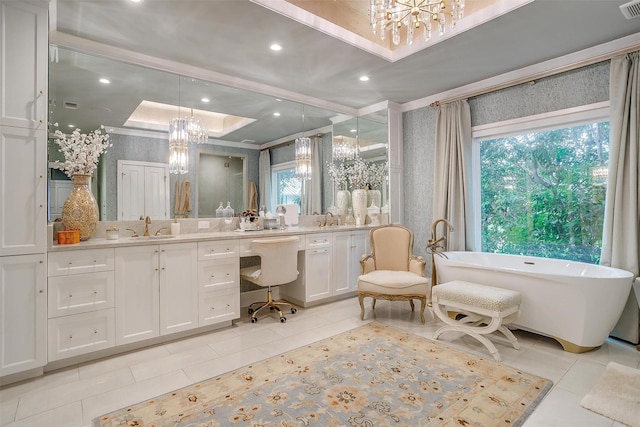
(264,171)
(621,231)
(312,188)
(452,188)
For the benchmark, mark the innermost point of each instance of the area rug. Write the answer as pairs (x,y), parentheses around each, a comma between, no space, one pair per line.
(616,395)
(374,375)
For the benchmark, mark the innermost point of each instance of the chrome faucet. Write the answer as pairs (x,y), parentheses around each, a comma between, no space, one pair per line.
(324,224)
(147,221)
(435,244)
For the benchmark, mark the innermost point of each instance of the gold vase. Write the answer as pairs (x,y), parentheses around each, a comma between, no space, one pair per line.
(80,210)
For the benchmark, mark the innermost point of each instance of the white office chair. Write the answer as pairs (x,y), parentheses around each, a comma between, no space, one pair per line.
(278,266)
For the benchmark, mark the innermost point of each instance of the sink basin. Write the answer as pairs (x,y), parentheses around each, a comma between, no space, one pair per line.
(160,237)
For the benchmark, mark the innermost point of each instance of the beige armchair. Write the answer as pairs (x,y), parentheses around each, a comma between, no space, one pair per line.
(391,272)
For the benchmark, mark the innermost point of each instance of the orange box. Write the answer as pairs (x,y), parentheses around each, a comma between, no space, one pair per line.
(68,237)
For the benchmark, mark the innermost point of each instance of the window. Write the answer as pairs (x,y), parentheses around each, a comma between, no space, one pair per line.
(542,185)
(286,188)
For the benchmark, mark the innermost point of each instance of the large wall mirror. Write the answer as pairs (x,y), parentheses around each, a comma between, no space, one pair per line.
(136,104)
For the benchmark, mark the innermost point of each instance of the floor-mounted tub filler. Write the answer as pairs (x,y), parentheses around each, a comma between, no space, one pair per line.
(576,303)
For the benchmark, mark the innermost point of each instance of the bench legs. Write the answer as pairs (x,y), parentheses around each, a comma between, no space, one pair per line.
(476,326)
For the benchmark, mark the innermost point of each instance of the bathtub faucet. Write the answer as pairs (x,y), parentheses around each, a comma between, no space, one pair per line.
(435,244)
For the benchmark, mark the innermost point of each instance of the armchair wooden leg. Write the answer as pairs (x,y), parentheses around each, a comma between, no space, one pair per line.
(413,307)
(360,299)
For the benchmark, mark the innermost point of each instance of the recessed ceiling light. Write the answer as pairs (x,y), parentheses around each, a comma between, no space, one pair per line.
(136,1)
(72,126)
(276,114)
(276,47)
(353,130)
(104,81)
(205,100)
(364,78)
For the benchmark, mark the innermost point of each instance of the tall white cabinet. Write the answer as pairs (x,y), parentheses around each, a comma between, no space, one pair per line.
(23,185)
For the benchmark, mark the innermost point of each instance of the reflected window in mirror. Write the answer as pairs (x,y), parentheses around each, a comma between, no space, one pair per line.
(286,187)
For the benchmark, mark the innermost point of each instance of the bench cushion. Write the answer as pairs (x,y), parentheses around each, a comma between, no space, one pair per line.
(475,295)
(393,283)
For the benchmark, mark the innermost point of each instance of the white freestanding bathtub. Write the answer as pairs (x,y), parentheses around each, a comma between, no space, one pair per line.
(578,304)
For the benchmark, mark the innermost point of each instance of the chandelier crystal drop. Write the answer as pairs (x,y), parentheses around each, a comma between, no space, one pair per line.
(393,15)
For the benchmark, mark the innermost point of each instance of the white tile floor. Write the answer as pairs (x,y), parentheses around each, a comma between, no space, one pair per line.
(74,396)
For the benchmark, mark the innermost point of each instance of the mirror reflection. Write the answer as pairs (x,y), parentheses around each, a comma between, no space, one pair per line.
(136,104)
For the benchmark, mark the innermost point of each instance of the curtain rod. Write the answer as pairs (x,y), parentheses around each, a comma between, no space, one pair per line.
(531,79)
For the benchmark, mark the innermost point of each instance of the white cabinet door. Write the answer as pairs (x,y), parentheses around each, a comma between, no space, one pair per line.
(24,72)
(341,262)
(178,287)
(156,192)
(23,199)
(318,273)
(349,246)
(23,313)
(130,192)
(137,293)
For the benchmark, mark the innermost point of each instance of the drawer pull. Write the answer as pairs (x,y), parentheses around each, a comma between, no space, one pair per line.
(95,331)
(41,291)
(70,263)
(95,292)
(70,337)
(212,308)
(70,296)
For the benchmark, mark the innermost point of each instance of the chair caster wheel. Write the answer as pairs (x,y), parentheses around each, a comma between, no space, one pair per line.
(283,319)
(294,311)
(250,311)
(254,320)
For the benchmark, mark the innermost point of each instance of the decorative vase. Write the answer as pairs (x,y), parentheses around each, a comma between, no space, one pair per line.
(80,210)
(359,205)
(374,198)
(343,200)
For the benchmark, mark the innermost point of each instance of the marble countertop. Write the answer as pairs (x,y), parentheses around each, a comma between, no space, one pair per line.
(126,240)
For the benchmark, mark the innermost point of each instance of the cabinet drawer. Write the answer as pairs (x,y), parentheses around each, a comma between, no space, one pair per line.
(80,293)
(314,241)
(76,262)
(81,333)
(245,245)
(219,306)
(218,273)
(217,249)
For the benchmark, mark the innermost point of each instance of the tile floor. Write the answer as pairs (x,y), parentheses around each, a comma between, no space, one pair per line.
(74,396)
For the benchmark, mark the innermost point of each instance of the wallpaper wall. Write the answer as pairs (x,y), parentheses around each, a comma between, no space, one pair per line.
(582,86)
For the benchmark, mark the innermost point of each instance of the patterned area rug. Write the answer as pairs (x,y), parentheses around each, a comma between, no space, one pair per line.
(374,375)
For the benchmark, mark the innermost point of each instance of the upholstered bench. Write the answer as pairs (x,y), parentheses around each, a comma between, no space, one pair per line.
(486,309)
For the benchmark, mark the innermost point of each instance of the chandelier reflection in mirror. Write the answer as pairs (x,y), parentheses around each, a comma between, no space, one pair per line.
(344,148)
(178,146)
(385,15)
(303,154)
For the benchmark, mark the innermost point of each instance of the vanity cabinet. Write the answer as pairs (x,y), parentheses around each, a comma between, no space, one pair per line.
(218,282)
(156,290)
(81,300)
(23,313)
(348,248)
(314,266)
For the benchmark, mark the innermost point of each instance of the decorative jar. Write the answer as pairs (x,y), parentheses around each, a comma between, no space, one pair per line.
(359,204)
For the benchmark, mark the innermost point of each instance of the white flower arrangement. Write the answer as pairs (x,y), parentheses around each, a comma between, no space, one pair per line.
(377,175)
(338,173)
(358,174)
(81,151)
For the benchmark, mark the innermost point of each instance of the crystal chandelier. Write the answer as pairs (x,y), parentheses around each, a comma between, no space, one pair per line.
(413,14)
(303,157)
(178,146)
(303,154)
(343,148)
